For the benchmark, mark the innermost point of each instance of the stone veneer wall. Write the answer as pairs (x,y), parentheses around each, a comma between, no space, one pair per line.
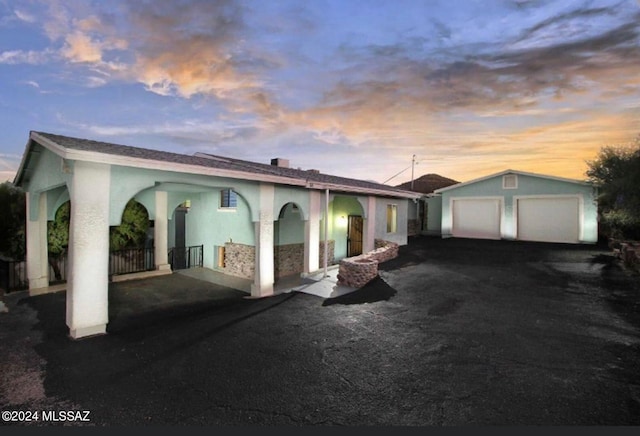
(330,252)
(357,271)
(239,259)
(413,227)
(288,259)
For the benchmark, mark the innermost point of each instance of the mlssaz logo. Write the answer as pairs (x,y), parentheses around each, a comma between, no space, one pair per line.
(66,415)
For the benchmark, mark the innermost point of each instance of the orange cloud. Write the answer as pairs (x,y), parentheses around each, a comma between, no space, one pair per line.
(80,48)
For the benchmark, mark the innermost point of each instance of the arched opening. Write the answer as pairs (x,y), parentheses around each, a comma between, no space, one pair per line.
(179,254)
(346,226)
(130,242)
(58,243)
(288,240)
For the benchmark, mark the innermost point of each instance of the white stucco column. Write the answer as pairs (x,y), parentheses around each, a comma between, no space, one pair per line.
(88,282)
(160,231)
(370,229)
(37,247)
(264,274)
(312,233)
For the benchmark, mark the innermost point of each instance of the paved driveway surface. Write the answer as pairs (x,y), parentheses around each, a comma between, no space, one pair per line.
(454,332)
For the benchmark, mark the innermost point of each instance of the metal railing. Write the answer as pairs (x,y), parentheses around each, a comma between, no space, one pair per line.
(131,261)
(13,275)
(186,257)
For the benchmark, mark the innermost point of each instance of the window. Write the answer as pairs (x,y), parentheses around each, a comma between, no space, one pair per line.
(228,199)
(392,218)
(510,181)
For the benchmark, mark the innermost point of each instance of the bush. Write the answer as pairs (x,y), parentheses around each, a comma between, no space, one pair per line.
(621,224)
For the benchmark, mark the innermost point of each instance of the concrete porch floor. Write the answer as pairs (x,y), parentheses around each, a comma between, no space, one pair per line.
(314,284)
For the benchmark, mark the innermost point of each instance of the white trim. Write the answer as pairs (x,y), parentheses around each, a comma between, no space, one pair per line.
(580,198)
(501,173)
(359,190)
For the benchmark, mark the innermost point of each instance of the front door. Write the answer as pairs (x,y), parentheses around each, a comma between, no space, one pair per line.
(354,236)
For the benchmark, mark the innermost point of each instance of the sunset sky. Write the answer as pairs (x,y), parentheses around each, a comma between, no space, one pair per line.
(351,88)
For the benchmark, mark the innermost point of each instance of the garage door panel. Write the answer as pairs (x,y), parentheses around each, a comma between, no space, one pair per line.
(548,219)
(476,218)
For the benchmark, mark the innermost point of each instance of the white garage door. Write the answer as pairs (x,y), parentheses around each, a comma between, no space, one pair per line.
(553,219)
(476,218)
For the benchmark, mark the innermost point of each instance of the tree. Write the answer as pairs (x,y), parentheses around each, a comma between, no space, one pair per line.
(58,238)
(12,221)
(132,231)
(616,173)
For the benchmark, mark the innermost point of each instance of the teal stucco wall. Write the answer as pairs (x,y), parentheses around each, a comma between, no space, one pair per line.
(434,216)
(210,225)
(527,185)
(400,235)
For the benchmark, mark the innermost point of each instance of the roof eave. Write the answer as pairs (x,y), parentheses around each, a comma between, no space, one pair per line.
(113,159)
(17,180)
(362,190)
(502,173)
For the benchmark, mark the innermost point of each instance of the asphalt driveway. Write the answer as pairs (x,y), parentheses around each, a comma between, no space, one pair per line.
(453,332)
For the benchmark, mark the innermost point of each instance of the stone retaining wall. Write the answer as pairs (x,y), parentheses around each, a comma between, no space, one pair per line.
(629,253)
(357,271)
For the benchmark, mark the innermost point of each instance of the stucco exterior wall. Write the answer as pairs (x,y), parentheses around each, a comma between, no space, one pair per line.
(434,216)
(130,182)
(289,227)
(51,171)
(527,186)
(284,195)
(400,235)
(209,225)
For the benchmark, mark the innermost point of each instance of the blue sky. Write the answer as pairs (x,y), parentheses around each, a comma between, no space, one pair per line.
(352,88)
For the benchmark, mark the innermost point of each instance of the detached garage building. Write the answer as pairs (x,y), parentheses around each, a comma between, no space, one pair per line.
(522,206)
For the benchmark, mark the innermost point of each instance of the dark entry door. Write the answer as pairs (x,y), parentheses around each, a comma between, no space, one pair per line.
(354,235)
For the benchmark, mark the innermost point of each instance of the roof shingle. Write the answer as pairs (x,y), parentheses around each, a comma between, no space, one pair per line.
(214,161)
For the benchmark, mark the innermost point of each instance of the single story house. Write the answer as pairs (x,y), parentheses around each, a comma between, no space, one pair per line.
(519,205)
(258,221)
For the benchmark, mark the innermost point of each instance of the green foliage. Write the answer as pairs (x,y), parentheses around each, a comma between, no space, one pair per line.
(12,221)
(616,172)
(622,224)
(132,231)
(58,231)
(130,234)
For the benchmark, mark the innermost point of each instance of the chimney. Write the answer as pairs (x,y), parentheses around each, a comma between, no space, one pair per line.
(279,162)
